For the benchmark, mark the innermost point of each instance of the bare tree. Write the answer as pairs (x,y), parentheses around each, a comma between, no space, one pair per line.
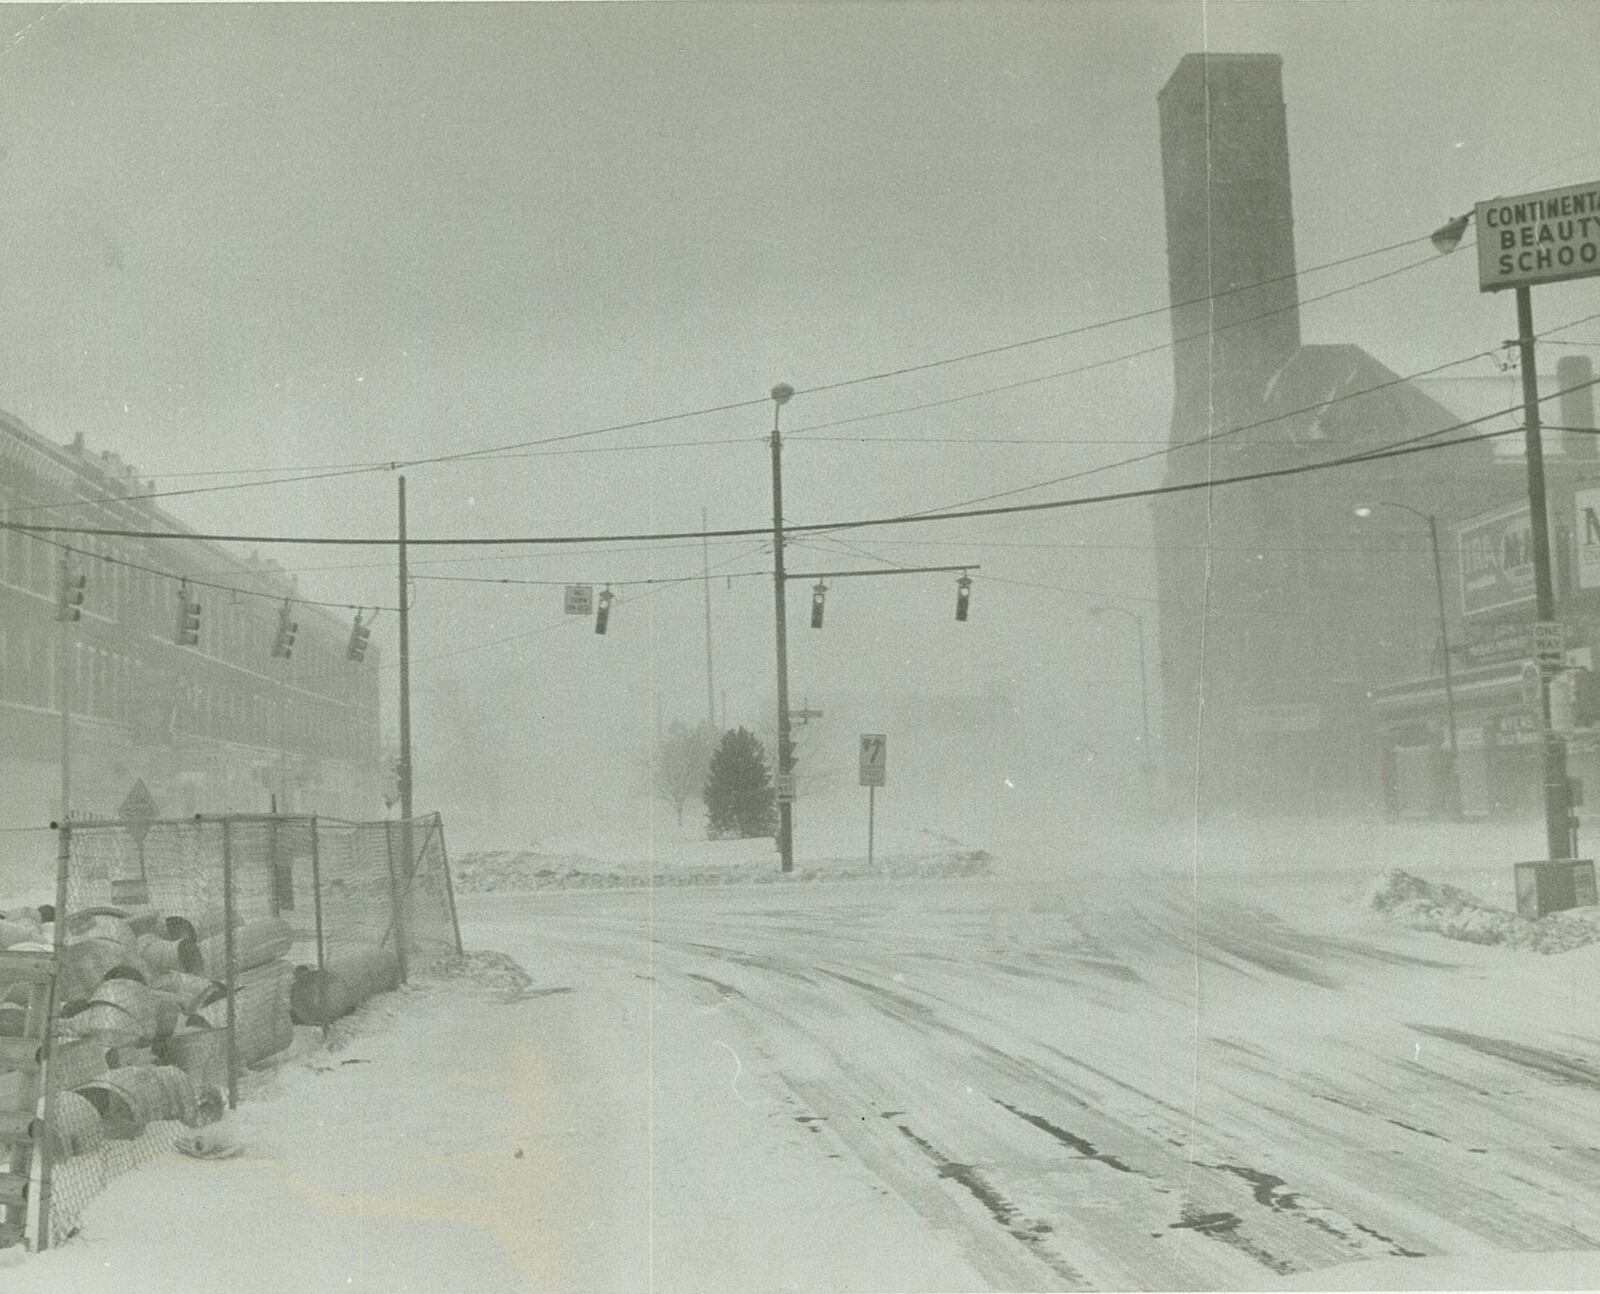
(681,763)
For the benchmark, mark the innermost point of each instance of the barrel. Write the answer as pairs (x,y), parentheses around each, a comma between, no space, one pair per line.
(254,944)
(323,996)
(192,991)
(200,1053)
(75,1127)
(261,1012)
(133,1096)
(75,1061)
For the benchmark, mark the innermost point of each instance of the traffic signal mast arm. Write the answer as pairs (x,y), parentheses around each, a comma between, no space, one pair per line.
(897,570)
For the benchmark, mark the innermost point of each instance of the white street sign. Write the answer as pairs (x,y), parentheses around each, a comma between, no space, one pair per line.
(1549,642)
(1543,237)
(874,758)
(580,599)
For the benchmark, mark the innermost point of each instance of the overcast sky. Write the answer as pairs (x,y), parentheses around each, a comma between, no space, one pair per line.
(294,235)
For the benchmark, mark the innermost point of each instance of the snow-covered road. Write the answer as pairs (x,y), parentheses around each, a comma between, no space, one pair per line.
(1132,1070)
(1089,1085)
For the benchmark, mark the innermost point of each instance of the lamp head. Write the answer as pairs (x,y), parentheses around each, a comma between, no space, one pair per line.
(1448,236)
(782,393)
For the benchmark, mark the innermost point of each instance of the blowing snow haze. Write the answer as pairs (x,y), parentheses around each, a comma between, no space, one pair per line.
(257,242)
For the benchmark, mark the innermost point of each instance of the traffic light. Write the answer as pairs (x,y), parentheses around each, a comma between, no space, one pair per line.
(69,603)
(188,634)
(818,592)
(359,634)
(283,643)
(963,596)
(603,611)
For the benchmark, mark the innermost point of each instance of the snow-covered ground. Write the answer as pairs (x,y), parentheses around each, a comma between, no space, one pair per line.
(1122,1057)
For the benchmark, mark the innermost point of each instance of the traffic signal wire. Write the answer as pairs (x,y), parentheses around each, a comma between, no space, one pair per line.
(568,620)
(195,582)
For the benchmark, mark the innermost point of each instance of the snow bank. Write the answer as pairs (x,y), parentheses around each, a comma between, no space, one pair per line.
(521,870)
(1458,914)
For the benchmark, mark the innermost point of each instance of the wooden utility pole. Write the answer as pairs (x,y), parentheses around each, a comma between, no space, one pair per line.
(404,771)
(781,394)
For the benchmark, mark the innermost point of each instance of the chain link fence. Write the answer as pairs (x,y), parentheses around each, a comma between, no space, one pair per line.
(189,951)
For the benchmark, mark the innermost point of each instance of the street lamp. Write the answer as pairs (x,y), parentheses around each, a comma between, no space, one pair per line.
(1444,638)
(1144,683)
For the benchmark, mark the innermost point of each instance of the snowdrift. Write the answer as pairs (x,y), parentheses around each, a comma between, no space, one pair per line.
(522,870)
(1457,914)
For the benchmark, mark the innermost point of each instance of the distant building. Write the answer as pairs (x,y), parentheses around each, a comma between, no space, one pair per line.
(220,726)
(1300,659)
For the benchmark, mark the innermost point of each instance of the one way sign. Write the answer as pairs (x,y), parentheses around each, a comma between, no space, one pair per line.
(874,758)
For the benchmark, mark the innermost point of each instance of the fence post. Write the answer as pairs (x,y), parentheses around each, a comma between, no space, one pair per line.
(316,901)
(231,954)
(272,866)
(449,885)
(398,914)
(47,1054)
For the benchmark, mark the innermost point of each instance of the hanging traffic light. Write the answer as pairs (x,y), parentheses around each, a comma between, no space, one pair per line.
(283,642)
(963,596)
(603,611)
(359,634)
(818,592)
(69,602)
(188,633)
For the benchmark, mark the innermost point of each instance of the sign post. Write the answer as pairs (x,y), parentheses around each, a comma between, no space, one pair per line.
(1543,237)
(874,767)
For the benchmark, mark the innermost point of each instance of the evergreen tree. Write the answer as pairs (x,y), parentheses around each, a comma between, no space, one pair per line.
(738,794)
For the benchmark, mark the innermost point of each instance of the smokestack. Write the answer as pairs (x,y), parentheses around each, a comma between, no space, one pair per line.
(1574,373)
(1230,225)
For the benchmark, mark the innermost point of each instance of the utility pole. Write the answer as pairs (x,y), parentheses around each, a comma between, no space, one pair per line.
(68,639)
(1557,811)
(404,770)
(705,566)
(1454,789)
(781,395)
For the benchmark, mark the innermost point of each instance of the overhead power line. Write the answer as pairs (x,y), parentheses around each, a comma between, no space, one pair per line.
(1078,331)
(1156,349)
(1211,438)
(1424,442)
(332,471)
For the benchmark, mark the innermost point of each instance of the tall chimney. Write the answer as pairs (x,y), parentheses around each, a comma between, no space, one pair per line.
(1230,225)
(1574,373)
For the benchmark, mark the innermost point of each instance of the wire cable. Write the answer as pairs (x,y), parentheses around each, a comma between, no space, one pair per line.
(1423,442)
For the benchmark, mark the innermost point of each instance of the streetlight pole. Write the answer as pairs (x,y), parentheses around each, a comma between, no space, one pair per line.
(1144,680)
(1454,780)
(1559,825)
(781,395)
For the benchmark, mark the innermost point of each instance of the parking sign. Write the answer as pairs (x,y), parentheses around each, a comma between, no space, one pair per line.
(874,758)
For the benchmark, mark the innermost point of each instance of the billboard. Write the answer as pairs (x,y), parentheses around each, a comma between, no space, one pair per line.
(1543,237)
(1586,537)
(1496,561)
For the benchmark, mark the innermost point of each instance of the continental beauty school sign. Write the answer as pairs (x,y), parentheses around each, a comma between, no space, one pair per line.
(1539,238)
(1496,561)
